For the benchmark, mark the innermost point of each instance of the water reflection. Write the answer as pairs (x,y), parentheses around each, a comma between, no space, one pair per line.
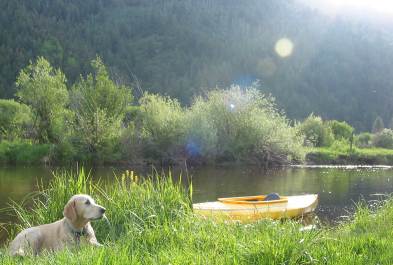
(338,188)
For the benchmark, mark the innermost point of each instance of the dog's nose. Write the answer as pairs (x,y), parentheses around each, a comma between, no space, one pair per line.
(102,210)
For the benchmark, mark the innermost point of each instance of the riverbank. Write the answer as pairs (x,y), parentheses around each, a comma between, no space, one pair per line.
(358,156)
(25,153)
(152,223)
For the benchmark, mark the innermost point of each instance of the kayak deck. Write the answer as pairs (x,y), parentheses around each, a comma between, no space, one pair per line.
(231,209)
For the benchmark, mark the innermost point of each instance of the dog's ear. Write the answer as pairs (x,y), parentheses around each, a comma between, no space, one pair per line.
(69,211)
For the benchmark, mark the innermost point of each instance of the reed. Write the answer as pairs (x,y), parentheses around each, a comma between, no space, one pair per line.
(151,222)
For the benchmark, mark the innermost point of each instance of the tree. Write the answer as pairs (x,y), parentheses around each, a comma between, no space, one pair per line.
(316,132)
(363,140)
(378,125)
(162,125)
(340,129)
(44,90)
(14,118)
(99,105)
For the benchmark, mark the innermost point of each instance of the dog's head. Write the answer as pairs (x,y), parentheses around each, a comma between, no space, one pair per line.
(82,208)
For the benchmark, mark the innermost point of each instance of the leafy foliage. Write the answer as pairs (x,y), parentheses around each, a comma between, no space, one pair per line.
(100,124)
(24,153)
(383,139)
(162,125)
(14,119)
(316,132)
(240,124)
(363,140)
(99,106)
(44,90)
(341,129)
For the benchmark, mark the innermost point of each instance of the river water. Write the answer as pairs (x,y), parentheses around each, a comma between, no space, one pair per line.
(339,188)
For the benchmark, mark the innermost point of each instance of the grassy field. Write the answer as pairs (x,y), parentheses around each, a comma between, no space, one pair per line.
(366,156)
(152,223)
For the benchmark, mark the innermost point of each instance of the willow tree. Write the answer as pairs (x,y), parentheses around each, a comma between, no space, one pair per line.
(99,105)
(44,89)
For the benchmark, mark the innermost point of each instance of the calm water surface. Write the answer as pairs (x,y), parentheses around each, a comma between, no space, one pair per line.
(338,188)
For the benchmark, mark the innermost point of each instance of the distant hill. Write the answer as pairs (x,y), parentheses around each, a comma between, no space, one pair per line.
(340,68)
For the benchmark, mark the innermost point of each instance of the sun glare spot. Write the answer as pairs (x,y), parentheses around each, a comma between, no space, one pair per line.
(284,47)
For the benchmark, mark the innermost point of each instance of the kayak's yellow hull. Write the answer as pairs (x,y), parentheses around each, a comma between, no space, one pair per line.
(295,206)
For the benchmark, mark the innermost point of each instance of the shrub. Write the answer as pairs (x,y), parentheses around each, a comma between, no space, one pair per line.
(316,133)
(340,129)
(363,140)
(238,124)
(341,145)
(161,126)
(99,105)
(383,139)
(14,119)
(130,115)
(23,152)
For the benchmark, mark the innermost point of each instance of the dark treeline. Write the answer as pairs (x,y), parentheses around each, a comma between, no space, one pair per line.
(340,68)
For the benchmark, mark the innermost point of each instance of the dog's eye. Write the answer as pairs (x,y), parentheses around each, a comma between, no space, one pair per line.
(87,202)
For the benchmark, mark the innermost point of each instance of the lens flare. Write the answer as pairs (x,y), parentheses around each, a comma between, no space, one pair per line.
(284,47)
(193,148)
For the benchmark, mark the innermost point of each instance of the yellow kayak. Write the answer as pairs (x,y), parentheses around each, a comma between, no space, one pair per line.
(252,208)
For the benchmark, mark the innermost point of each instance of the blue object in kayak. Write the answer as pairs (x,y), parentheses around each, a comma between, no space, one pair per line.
(272,197)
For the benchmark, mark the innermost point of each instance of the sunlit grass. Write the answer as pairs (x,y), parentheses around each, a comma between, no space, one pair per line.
(152,223)
(328,155)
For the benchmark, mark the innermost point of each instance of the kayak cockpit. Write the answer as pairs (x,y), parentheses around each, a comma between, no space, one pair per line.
(259,199)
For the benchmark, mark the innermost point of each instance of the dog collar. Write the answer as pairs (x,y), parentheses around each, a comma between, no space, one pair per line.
(76,233)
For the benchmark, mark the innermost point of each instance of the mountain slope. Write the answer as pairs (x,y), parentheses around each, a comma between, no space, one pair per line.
(340,68)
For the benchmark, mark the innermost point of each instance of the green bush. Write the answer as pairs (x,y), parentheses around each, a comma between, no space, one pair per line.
(383,139)
(130,115)
(24,152)
(15,118)
(341,145)
(341,129)
(161,126)
(237,124)
(316,133)
(99,105)
(363,140)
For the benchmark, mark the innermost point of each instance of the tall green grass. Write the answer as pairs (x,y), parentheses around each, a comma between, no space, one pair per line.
(152,223)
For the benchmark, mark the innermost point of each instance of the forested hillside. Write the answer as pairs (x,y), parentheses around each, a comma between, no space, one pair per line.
(340,68)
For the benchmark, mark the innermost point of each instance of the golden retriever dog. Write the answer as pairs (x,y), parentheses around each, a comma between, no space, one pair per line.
(67,232)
